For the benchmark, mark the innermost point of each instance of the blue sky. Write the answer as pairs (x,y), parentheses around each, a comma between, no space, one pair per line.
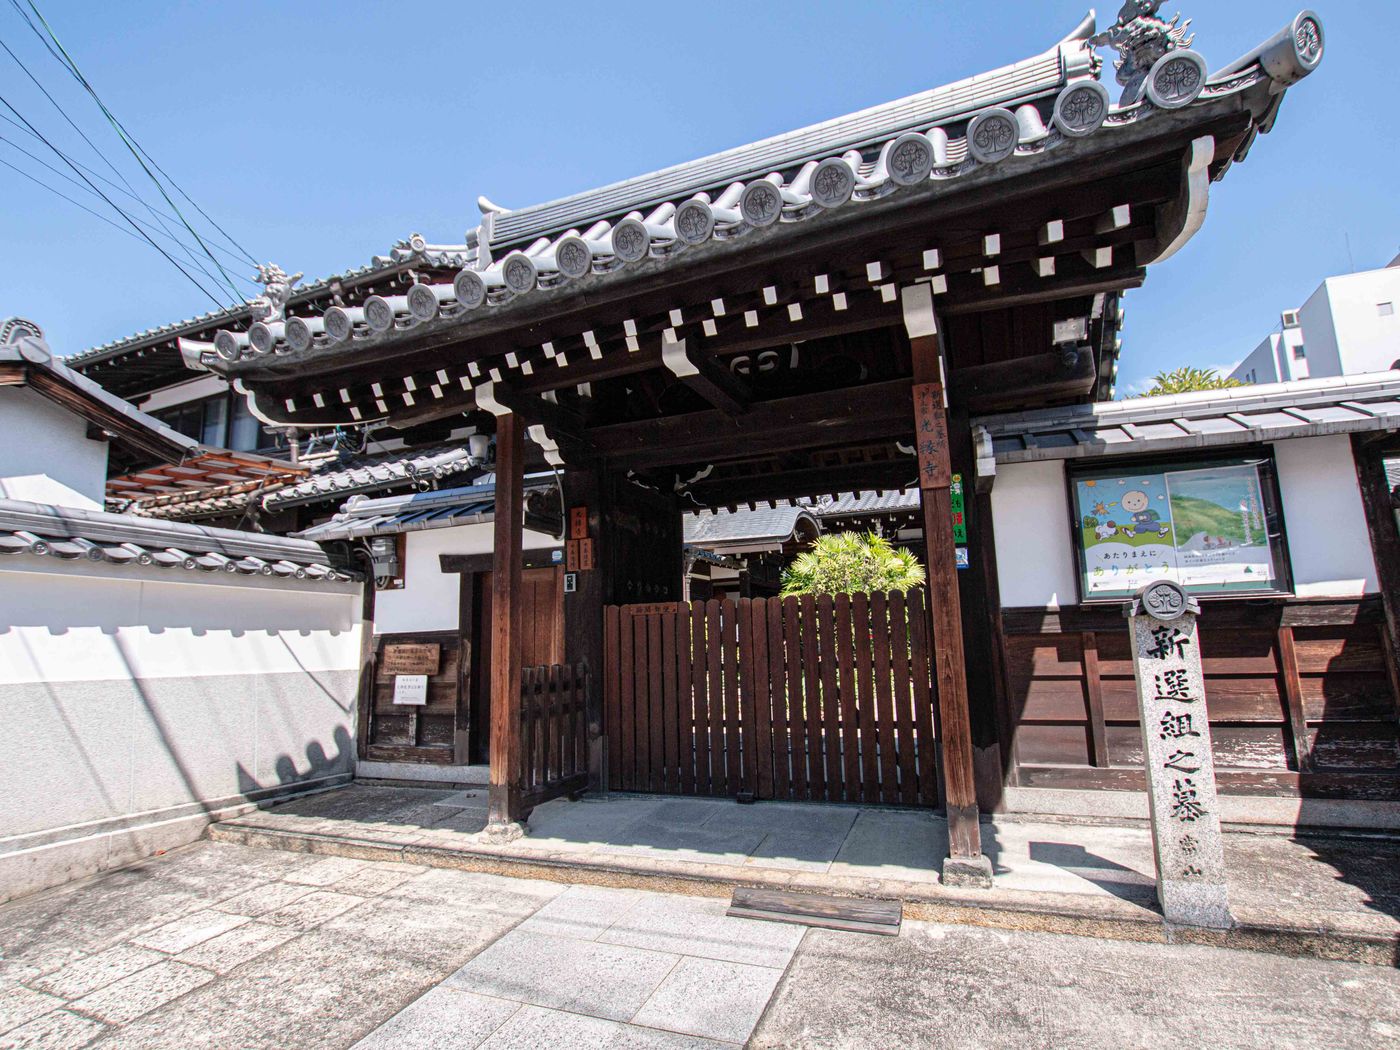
(320,133)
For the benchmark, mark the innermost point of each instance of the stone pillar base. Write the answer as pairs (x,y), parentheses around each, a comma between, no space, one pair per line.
(501,834)
(968,872)
(1190,903)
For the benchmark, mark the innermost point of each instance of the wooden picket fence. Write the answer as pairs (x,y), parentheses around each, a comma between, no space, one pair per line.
(553,731)
(804,698)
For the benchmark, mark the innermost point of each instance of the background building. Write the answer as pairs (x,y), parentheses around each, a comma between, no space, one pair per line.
(1347,327)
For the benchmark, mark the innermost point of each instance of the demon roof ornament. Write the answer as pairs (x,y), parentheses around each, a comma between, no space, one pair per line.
(1141,38)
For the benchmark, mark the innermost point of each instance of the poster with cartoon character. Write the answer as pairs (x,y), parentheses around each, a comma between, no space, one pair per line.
(1202,527)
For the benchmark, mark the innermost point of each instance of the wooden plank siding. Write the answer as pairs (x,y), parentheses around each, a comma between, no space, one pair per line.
(1298,693)
(797,698)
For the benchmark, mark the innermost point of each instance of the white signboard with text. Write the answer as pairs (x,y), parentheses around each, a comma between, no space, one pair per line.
(411,689)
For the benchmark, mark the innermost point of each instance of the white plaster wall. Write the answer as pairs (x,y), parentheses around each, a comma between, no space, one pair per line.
(429,599)
(138,705)
(42,438)
(1035,554)
(1326,523)
(75,622)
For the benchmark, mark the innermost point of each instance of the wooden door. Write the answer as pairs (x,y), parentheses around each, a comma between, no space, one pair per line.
(542,621)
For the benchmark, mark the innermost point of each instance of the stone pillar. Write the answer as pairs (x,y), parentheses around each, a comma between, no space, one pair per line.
(1180,767)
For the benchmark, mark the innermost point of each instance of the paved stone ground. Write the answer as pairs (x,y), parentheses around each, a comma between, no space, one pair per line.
(1345,884)
(222,946)
(952,987)
(225,946)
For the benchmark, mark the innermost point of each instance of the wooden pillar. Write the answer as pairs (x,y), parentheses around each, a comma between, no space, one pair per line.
(504,800)
(1369,455)
(966,865)
(583,608)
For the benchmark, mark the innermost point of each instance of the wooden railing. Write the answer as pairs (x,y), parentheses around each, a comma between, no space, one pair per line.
(553,731)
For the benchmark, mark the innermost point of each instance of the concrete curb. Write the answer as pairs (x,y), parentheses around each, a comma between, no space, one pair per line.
(1020,910)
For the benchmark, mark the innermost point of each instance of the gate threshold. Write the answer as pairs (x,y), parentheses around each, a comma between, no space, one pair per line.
(818,909)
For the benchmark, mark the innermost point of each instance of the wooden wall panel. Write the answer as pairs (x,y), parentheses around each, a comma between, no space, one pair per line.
(1298,691)
(419,733)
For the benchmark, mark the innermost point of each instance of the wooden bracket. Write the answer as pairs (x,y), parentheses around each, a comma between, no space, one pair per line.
(712,381)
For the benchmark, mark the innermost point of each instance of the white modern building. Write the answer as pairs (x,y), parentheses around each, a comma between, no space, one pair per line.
(1347,327)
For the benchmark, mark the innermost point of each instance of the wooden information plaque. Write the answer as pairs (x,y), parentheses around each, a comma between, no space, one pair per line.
(411,658)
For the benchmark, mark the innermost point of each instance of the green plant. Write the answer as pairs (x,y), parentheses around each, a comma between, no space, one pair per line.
(1185,380)
(851,562)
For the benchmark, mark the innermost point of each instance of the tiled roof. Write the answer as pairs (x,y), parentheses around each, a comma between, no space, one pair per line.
(850,504)
(367,472)
(1242,415)
(207,503)
(39,530)
(407,253)
(938,137)
(22,346)
(724,528)
(445,508)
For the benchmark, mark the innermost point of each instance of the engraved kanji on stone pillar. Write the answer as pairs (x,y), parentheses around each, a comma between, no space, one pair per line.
(1180,769)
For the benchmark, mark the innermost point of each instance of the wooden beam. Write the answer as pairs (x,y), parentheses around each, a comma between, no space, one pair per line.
(858,414)
(945,614)
(559,421)
(1023,381)
(504,798)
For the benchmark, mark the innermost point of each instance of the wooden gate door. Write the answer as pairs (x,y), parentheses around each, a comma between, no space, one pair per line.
(542,617)
(811,698)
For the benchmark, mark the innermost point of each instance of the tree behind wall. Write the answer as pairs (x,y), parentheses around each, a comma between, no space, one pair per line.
(1186,380)
(851,562)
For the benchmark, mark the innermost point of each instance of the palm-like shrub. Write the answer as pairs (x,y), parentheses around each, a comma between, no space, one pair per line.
(851,562)
(1188,380)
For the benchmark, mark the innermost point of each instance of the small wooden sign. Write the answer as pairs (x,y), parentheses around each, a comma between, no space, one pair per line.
(931,436)
(411,689)
(578,556)
(411,658)
(653,608)
(578,523)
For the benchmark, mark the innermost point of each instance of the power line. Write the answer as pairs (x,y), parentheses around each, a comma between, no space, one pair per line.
(131,146)
(74,70)
(113,204)
(93,147)
(43,163)
(68,178)
(98,175)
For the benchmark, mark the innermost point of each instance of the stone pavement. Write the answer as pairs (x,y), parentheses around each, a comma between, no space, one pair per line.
(1337,896)
(225,946)
(966,988)
(602,967)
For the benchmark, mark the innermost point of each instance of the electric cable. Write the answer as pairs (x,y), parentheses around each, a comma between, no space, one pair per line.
(137,152)
(113,205)
(93,146)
